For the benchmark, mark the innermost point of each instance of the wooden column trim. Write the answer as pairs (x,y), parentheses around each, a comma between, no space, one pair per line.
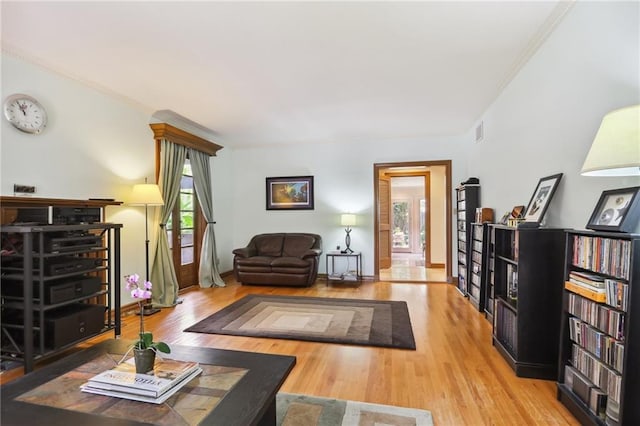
(180,137)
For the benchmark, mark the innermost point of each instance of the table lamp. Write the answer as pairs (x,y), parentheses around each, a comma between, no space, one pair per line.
(146,194)
(615,151)
(348,220)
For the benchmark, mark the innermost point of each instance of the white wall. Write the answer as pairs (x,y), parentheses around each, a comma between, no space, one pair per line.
(344,181)
(545,120)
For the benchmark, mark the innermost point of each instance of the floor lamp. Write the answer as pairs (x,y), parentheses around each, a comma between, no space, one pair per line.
(146,194)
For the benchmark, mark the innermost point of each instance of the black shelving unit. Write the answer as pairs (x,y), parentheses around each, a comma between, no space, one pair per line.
(490,259)
(467,201)
(59,287)
(598,375)
(528,280)
(478,282)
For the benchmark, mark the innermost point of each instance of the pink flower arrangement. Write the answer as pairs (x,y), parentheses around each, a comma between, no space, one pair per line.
(143,292)
(138,292)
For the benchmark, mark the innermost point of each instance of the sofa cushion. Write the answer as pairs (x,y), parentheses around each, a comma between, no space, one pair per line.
(256,261)
(269,245)
(297,244)
(289,262)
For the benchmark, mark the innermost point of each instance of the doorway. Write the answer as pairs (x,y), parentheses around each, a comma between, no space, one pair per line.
(413,221)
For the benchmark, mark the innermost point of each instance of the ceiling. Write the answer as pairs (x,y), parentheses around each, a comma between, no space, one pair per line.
(259,73)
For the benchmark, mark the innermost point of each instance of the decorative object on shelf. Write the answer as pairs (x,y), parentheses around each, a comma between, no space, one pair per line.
(540,200)
(146,194)
(290,193)
(471,181)
(144,350)
(25,113)
(347,220)
(484,215)
(505,218)
(617,210)
(614,151)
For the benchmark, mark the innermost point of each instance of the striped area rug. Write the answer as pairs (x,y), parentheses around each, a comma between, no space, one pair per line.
(303,410)
(320,319)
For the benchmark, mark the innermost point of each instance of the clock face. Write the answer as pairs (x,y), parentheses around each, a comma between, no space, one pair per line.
(25,113)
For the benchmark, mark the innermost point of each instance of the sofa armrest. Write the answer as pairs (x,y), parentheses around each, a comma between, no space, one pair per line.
(311,253)
(245,252)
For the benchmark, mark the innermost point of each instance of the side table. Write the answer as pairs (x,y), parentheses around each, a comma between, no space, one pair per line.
(348,275)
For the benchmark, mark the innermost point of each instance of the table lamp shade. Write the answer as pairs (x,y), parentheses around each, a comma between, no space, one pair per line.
(146,194)
(616,148)
(348,219)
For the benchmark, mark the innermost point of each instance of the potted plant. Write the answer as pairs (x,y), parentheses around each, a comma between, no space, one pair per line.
(144,350)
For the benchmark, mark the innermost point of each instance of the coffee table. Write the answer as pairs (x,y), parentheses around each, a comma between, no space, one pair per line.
(250,401)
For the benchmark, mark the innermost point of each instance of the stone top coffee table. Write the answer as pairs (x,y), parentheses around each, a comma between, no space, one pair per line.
(235,388)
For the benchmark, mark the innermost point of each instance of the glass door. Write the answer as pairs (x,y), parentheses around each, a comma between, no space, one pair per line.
(184,234)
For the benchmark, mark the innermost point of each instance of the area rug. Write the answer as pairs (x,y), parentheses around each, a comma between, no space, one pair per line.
(318,319)
(302,410)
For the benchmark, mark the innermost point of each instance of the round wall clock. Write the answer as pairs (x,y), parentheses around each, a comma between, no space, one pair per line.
(25,113)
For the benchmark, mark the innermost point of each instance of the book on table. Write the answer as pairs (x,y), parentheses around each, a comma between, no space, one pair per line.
(166,375)
(118,392)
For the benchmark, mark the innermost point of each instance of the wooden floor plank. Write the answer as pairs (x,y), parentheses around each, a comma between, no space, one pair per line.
(455,372)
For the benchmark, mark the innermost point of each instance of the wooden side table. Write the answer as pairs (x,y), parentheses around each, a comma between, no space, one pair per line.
(349,275)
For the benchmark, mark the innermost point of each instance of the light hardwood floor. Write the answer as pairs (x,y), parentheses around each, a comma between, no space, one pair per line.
(455,372)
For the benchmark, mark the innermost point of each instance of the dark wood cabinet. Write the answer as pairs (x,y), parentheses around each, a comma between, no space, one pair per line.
(467,200)
(598,375)
(528,277)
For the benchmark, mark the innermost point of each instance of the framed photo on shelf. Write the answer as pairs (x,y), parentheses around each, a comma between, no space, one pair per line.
(617,210)
(290,193)
(541,198)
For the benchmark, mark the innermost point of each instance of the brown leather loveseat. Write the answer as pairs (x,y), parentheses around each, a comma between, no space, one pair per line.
(289,259)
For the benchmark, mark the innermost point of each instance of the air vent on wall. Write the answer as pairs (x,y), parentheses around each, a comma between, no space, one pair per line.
(480,132)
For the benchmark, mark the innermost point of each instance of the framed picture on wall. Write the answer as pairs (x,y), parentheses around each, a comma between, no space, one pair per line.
(541,198)
(290,193)
(617,210)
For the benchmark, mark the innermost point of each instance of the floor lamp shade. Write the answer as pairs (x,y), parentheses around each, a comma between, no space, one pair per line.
(146,194)
(616,148)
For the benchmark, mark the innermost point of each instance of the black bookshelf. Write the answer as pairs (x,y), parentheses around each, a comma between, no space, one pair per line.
(528,276)
(598,376)
(467,201)
(478,281)
(490,259)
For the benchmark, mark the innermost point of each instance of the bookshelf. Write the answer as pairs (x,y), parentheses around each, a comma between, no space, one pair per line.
(490,257)
(467,200)
(477,283)
(527,279)
(598,376)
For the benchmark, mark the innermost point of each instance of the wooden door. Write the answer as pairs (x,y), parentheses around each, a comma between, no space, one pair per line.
(384,222)
(184,231)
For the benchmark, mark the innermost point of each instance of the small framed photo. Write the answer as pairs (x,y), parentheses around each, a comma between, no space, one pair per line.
(541,198)
(290,193)
(617,210)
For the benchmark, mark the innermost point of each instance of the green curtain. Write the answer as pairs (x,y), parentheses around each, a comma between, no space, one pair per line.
(163,274)
(208,275)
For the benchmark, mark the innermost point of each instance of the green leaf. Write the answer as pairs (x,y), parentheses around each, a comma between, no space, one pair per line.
(146,339)
(162,347)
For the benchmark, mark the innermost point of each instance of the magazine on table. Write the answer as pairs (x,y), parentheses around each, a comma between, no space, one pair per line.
(165,375)
(132,394)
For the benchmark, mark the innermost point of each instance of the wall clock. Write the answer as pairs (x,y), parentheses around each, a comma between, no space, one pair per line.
(25,113)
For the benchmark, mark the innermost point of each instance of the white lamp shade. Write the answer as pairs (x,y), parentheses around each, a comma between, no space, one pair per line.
(146,194)
(616,148)
(348,219)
